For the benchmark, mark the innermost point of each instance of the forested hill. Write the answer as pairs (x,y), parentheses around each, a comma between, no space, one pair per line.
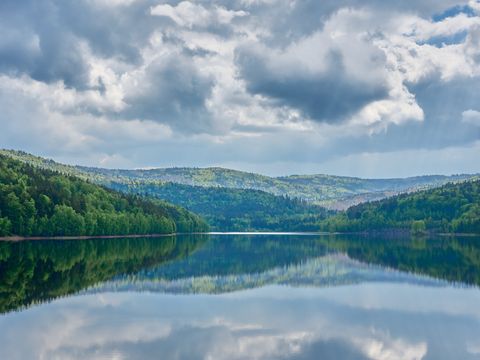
(334,192)
(224,209)
(450,208)
(39,202)
(235,209)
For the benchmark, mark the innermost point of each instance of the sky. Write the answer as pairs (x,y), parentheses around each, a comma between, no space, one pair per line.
(373,88)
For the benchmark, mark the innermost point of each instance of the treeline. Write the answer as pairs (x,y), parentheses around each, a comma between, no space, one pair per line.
(453,207)
(228,209)
(38,202)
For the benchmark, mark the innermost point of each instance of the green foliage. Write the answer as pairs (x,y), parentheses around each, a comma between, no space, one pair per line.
(454,207)
(418,227)
(235,209)
(66,221)
(5,226)
(41,202)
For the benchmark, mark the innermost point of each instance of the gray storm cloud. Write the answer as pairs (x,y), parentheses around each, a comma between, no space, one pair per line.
(327,91)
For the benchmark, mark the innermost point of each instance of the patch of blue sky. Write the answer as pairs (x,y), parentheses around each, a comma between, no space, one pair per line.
(440,41)
(453,11)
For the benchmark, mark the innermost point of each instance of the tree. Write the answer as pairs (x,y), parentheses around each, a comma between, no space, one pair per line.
(418,227)
(65,221)
(5,226)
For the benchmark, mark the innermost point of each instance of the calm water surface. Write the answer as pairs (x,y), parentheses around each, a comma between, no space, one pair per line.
(241,297)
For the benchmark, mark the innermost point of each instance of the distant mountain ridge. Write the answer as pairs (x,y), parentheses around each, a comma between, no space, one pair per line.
(334,192)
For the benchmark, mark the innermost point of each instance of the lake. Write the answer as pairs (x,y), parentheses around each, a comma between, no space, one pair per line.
(241,296)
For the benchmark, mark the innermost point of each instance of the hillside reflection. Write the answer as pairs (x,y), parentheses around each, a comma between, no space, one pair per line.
(36,271)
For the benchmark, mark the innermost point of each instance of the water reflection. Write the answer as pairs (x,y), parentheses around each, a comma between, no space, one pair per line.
(276,297)
(34,271)
(352,322)
(242,262)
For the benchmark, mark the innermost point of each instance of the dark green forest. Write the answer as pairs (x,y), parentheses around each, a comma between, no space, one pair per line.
(235,209)
(39,202)
(453,207)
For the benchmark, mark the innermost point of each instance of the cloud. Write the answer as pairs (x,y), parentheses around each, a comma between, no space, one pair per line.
(43,50)
(169,90)
(51,40)
(316,76)
(472,46)
(471,117)
(328,323)
(237,81)
(189,14)
(42,117)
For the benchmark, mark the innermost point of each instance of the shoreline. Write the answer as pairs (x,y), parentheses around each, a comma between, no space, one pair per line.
(220,233)
(85,237)
(133,236)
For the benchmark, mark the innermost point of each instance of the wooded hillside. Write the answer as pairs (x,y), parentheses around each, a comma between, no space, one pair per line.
(40,202)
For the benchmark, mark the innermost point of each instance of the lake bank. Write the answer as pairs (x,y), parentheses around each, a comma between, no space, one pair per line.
(387,233)
(27,238)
